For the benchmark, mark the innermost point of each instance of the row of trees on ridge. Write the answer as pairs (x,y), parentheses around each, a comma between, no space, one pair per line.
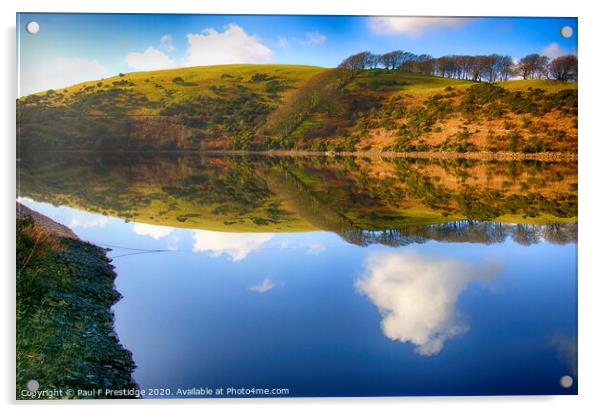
(489,68)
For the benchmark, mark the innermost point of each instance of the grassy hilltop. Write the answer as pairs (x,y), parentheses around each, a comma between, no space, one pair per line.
(292,107)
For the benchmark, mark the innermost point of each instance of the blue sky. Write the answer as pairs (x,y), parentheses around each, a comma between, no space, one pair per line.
(71,48)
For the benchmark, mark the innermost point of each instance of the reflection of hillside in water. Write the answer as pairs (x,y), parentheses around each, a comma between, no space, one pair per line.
(393,202)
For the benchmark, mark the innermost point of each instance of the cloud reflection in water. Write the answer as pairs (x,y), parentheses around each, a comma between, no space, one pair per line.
(417,296)
(234,245)
(154,231)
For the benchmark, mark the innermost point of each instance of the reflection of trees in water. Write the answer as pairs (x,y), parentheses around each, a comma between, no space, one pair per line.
(465,231)
(557,233)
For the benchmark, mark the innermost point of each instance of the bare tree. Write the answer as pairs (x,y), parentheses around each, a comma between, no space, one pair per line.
(356,63)
(525,66)
(424,64)
(407,62)
(533,66)
(504,67)
(541,71)
(388,60)
(564,68)
(373,60)
(396,59)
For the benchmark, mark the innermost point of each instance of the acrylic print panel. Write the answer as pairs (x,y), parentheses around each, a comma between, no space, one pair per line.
(290,206)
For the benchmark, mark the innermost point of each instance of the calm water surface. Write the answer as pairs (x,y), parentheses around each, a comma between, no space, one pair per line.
(279,274)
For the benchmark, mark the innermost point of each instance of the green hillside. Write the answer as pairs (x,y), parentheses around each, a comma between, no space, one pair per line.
(293,107)
(165,87)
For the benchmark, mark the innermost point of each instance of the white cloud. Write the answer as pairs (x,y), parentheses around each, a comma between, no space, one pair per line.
(235,245)
(86,222)
(263,287)
(166,43)
(315,249)
(314,38)
(553,50)
(150,59)
(233,45)
(153,231)
(61,72)
(417,296)
(414,26)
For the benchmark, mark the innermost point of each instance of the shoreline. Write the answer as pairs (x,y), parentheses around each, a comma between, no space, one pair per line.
(65,332)
(485,156)
(489,156)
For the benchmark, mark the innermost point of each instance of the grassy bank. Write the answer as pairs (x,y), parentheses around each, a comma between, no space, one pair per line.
(65,337)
